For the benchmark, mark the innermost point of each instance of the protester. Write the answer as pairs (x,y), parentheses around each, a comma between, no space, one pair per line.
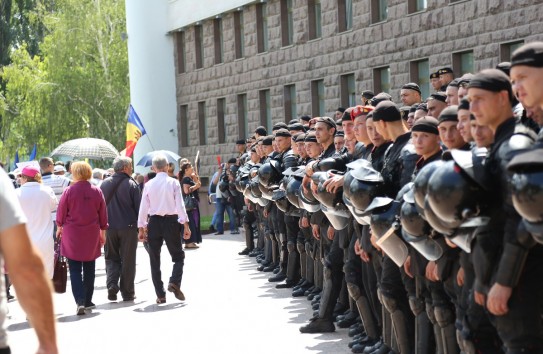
(190,184)
(38,201)
(82,221)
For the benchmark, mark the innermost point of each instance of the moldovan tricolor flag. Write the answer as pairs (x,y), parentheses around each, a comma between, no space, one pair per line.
(134,131)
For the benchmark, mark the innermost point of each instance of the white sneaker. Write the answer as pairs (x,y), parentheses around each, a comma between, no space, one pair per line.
(80,310)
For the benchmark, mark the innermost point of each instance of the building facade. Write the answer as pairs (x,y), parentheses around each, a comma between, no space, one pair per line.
(242,64)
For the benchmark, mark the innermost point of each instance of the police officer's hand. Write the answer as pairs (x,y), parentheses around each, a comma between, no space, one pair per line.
(373,240)
(480,298)
(431,271)
(309,168)
(450,243)
(266,213)
(407,267)
(186,231)
(334,183)
(314,187)
(498,296)
(142,234)
(357,249)
(304,222)
(330,233)
(460,277)
(316,231)
(364,256)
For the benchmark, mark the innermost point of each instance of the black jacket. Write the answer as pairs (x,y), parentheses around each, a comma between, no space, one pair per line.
(124,205)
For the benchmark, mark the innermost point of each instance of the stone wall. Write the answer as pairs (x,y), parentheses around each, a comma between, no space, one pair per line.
(435,33)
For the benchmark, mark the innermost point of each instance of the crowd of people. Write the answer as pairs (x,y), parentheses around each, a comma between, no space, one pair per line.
(415,225)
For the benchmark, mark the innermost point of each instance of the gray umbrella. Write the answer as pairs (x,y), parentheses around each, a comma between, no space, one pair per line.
(147,159)
(90,148)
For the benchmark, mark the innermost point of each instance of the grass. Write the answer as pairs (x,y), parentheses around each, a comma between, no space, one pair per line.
(205,221)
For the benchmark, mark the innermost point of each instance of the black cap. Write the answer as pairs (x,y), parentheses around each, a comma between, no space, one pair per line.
(413,108)
(505,67)
(310,137)
(464,104)
(434,75)
(454,83)
(440,96)
(296,127)
(261,131)
(369,115)
(305,118)
(268,140)
(340,134)
(492,80)
(299,137)
(326,120)
(340,109)
(530,54)
(411,86)
(240,142)
(465,79)
(280,125)
(422,107)
(293,121)
(367,94)
(339,122)
(386,111)
(283,133)
(404,110)
(446,70)
(383,96)
(427,125)
(449,114)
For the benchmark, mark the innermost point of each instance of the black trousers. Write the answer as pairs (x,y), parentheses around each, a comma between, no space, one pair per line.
(159,230)
(120,255)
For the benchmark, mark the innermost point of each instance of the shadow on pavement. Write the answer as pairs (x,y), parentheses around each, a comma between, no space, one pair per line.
(19,326)
(75,318)
(156,308)
(118,305)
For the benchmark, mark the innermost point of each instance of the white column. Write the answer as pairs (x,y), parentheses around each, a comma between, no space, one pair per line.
(152,74)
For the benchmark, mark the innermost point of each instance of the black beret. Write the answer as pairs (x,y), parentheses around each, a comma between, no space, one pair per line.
(261,131)
(293,121)
(465,79)
(240,142)
(253,149)
(268,140)
(383,96)
(446,70)
(369,115)
(505,67)
(449,114)
(232,160)
(280,125)
(492,80)
(404,110)
(305,118)
(464,104)
(434,75)
(367,94)
(299,137)
(454,83)
(440,96)
(346,116)
(340,109)
(340,120)
(283,133)
(296,127)
(310,137)
(326,120)
(411,86)
(340,134)
(422,107)
(530,54)
(413,108)
(427,125)
(387,111)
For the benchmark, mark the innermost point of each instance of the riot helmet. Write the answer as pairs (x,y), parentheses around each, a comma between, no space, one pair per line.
(293,192)
(270,173)
(421,183)
(309,202)
(435,222)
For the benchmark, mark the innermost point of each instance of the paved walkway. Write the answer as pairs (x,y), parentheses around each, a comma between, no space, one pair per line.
(230,308)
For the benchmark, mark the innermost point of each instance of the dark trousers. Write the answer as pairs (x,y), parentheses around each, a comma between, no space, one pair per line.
(159,230)
(82,280)
(120,256)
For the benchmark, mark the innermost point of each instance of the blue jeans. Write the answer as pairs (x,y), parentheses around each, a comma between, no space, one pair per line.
(221,206)
(82,280)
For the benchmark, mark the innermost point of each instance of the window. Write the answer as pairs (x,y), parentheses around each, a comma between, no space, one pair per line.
(379,10)
(262,27)
(181,59)
(221,123)
(184,125)
(239,33)
(289,102)
(287,23)
(317,98)
(243,121)
(348,90)
(265,109)
(416,5)
(199,46)
(381,80)
(420,73)
(219,44)
(202,124)
(314,17)
(345,15)
(507,49)
(463,63)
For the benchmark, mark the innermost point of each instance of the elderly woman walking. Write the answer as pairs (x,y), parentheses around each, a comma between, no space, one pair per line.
(38,202)
(82,221)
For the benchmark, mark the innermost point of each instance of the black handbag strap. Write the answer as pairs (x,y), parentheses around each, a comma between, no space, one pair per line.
(114,191)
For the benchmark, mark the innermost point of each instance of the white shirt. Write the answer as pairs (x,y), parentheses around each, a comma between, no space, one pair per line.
(58,184)
(38,201)
(162,196)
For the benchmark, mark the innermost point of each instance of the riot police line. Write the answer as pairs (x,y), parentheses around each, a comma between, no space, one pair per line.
(434,253)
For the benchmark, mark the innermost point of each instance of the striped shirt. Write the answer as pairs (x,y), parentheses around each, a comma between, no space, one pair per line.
(58,184)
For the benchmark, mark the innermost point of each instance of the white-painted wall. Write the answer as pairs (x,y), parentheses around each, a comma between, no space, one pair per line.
(185,12)
(152,74)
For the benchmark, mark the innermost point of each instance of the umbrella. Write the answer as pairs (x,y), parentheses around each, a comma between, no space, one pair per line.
(147,159)
(90,148)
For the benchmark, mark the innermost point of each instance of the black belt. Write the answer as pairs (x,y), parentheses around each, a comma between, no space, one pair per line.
(164,216)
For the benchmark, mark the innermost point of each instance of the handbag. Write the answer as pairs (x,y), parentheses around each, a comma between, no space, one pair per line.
(190,202)
(60,274)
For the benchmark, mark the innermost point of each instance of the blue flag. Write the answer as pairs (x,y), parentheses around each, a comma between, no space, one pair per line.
(16,161)
(33,153)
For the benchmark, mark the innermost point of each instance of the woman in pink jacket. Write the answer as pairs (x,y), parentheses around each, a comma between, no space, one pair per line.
(82,221)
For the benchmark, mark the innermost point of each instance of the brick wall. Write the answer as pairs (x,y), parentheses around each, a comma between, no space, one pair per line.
(435,33)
